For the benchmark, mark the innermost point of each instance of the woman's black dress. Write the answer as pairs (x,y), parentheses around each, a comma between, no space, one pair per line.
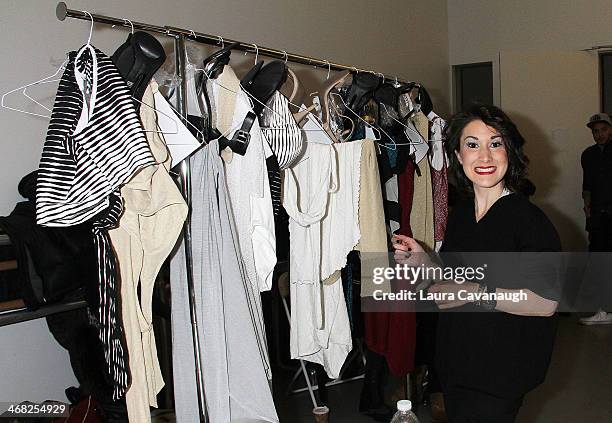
(487,362)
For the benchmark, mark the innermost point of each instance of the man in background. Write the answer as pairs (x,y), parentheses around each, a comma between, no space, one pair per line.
(596,163)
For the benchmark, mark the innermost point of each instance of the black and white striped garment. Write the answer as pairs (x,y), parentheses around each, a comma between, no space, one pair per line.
(281,130)
(274,178)
(95,143)
(110,329)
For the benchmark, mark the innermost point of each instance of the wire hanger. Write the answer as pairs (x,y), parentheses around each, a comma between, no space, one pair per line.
(24,87)
(243,91)
(126,20)
(204,142)
(172,118)
(25,94)
(44,80)
(175,131)
(328,69)
(185,120)
(161,113)
(396,83)
(413,130)
(86,46)
(250,97)
(256,52)
(374,128)
(90,27)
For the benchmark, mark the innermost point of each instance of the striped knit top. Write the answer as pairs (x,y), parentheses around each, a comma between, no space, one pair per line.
(94,144)
(281,130)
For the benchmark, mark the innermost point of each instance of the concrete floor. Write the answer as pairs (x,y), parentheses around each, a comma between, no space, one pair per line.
(578,386)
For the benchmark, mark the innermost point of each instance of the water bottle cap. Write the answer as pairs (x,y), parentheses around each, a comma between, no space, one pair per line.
(404,405)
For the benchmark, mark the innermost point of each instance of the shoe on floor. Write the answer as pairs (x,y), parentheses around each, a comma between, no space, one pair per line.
(599,318)
(438,412)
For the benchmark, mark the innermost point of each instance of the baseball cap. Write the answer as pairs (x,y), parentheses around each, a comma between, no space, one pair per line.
(599,117)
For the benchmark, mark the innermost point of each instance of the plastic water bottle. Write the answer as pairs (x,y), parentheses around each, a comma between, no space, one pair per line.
(404,413)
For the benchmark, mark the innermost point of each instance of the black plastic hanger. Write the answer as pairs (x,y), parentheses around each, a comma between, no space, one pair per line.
(424,100)
(138,59)
(262,81)
(248,79)
(213,66)
(387,94)
(361,90)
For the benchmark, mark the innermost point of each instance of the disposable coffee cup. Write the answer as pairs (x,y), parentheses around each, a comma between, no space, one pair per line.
(321,414)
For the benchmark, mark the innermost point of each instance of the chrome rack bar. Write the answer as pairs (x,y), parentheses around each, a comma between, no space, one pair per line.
(63,12)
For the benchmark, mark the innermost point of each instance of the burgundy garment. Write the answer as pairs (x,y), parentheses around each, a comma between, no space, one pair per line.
(393,334)
(405,182)
(439,180)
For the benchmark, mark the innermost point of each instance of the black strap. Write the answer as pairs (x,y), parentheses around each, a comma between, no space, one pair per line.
(241,138)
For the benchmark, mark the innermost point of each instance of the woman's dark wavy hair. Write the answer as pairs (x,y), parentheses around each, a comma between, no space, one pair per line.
(516,175)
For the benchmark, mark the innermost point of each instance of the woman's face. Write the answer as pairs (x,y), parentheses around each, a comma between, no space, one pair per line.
(482,154)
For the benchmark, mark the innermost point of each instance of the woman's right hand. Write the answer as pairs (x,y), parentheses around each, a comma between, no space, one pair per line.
(405,243)
(405,247)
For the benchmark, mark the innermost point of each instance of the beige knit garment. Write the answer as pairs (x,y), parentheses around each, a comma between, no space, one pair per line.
(373,242)
(154,214)
(422,213)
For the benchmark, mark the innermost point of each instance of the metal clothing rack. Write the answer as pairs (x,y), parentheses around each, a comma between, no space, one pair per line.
(63,12)
(180,36)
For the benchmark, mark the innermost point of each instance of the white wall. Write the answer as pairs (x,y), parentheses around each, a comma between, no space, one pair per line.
(550,108)
(407,39)
(404,38)
(482,30)
(479,29)
(34,366)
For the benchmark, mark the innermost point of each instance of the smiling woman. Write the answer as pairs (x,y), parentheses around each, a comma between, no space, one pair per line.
(482,154)
(483,129)
(488,362)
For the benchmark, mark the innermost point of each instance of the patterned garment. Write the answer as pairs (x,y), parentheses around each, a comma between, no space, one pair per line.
(439,177)
(110,329)
(405,105)
(95,143)
(274,177)
(281,130)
